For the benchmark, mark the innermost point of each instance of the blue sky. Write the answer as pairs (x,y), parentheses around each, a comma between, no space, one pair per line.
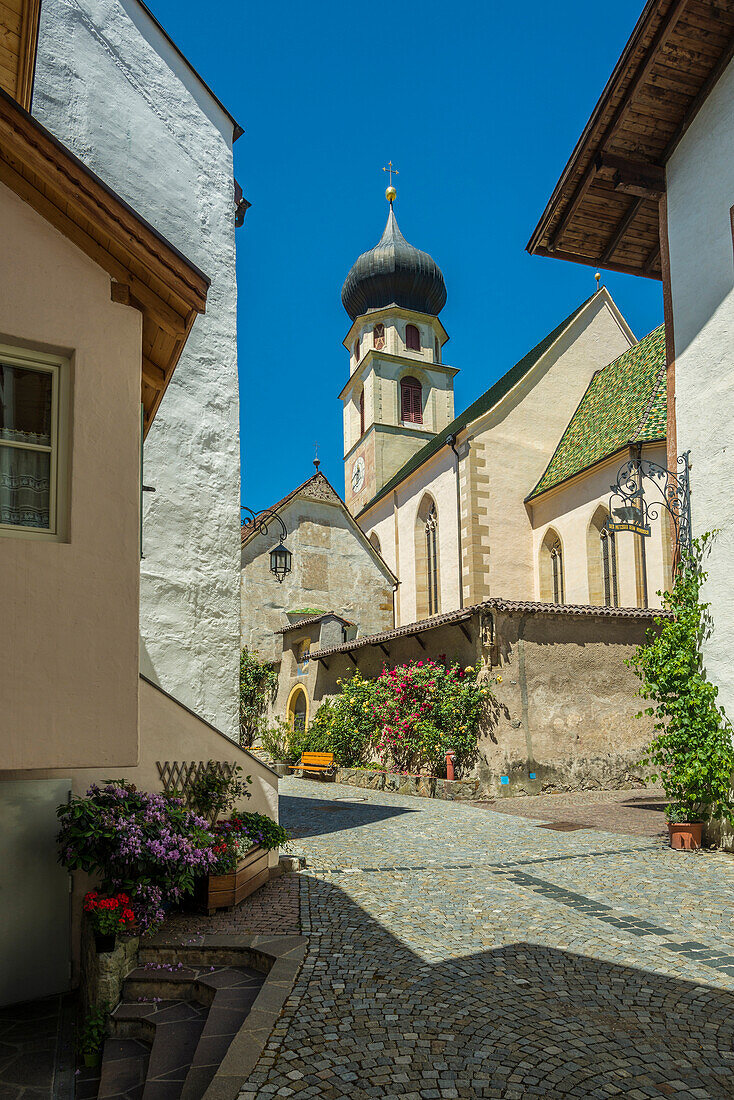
(477,104)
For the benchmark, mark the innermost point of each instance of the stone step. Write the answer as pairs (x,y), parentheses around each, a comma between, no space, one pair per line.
(236,991)
(124,1067)
(173,1029)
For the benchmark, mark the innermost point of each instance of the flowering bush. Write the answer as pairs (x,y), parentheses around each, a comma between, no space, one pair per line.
(422,709)
(109,915)
(148,845)
(234,838)
(346,724)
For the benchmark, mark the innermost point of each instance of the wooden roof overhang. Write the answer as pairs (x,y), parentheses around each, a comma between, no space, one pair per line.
(604,210)
(18,38)
(146,271)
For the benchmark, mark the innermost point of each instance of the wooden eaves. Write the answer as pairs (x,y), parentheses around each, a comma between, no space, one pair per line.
(146,271)
(604,210)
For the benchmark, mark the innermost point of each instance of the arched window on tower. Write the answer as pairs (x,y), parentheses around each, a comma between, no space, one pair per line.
(361,414)
(411,401)
(356,350)
(412,338)
(378,336)
(375,540)
(426,559)
(551,568)
(438,350)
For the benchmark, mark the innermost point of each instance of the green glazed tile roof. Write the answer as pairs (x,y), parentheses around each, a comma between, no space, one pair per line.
(482,405)
(626,401)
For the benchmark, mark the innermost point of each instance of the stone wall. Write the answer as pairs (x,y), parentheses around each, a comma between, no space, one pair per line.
(567,701)
(102,976)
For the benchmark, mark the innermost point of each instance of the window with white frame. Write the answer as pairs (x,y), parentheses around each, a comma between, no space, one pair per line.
(31,398)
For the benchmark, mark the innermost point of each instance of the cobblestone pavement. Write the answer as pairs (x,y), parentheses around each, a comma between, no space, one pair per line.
(456,952)
(274,909)
(635,812)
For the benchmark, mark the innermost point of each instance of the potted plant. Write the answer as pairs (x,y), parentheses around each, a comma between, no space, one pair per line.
(108,916)
(93,1035)
(692,751)
(241,850)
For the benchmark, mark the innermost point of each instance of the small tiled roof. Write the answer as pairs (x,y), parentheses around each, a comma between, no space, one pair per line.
(625,403)
(483,404)
(309,620)
(495,603)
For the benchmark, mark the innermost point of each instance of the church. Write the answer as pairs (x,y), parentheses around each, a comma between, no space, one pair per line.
(511,497)
(454,528)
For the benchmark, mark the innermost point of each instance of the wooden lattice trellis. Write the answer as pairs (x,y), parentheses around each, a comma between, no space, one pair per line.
(181,776)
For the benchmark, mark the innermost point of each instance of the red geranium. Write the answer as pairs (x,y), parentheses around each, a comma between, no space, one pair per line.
(109,915)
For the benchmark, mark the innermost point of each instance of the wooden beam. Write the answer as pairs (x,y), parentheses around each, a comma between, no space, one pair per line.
(384,649)
(352,658)
(465,632)
(632,177)
(621,229)
(594,261)
(419,640)
(154,375)
(652,259)
(659,38)
(701,95)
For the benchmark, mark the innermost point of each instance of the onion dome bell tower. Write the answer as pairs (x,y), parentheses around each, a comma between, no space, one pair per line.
(400,393)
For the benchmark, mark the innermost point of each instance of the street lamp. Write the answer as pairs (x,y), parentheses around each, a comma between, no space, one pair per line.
(280,555)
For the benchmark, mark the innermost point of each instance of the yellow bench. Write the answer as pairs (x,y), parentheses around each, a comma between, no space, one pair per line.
(320,762)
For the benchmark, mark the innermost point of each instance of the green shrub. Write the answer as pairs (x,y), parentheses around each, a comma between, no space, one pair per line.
(214,793)
(692,750)
(258,685)
(346,724)
(94,1030)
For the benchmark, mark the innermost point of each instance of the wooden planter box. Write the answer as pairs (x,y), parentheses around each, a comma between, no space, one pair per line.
(225,891)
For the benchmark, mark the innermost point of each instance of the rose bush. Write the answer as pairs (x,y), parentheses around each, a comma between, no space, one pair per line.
(424,708)
(346,724)
(148,845)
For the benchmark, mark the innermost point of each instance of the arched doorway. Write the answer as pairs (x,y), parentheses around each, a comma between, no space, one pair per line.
(297,708)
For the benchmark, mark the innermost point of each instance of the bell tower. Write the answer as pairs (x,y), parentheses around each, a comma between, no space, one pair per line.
(400,393)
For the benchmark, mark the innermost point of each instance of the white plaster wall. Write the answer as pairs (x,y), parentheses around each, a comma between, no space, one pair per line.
(700,188)
(569,510)
(112,88)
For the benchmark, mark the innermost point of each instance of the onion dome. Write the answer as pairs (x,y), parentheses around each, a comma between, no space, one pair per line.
(394,273)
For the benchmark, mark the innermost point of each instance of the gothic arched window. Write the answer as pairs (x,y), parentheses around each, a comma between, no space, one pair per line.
(361,414)
(378,336)
(411,401)
(427,564)
(412,338)
(609,567)
(551,568)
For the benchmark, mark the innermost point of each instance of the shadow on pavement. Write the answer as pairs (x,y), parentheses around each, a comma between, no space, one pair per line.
(313,817)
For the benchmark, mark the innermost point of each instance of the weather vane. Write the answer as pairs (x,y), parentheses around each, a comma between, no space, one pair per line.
(390,193)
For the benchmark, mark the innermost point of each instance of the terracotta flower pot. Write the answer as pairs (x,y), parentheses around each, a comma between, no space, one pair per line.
(685,835)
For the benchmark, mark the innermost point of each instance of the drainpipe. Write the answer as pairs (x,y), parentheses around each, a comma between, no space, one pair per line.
(451,442)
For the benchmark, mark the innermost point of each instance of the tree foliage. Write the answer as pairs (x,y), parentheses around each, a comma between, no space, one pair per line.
(692,750)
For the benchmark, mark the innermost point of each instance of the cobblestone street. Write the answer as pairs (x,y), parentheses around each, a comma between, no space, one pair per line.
(459,952)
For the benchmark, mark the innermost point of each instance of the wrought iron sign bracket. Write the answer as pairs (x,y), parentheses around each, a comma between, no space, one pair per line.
(643,488)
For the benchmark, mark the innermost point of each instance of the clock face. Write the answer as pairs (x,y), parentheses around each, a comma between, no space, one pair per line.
(358,475)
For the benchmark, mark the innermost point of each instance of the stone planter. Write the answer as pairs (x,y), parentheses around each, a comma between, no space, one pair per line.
(224,891)
(419,786)
(104,943)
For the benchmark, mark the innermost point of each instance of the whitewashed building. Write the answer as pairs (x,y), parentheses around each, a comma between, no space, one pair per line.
(113,87)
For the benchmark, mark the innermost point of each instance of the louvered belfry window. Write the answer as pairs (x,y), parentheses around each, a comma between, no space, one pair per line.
(412,338)
(378,336)
(411,401)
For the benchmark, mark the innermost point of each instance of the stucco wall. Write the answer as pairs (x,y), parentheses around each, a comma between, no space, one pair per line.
(69,639)
(112,88)
(568,701)
(569,510)
(332,569)
(700,194)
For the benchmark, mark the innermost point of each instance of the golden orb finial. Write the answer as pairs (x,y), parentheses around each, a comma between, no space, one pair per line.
(390,194)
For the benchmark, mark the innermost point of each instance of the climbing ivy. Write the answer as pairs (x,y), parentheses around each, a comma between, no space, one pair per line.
(692,750)
(258,685)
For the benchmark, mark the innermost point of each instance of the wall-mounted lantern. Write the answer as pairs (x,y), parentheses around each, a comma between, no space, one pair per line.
(280,556)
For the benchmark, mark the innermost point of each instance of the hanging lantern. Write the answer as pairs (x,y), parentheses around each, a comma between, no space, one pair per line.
(280,562)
